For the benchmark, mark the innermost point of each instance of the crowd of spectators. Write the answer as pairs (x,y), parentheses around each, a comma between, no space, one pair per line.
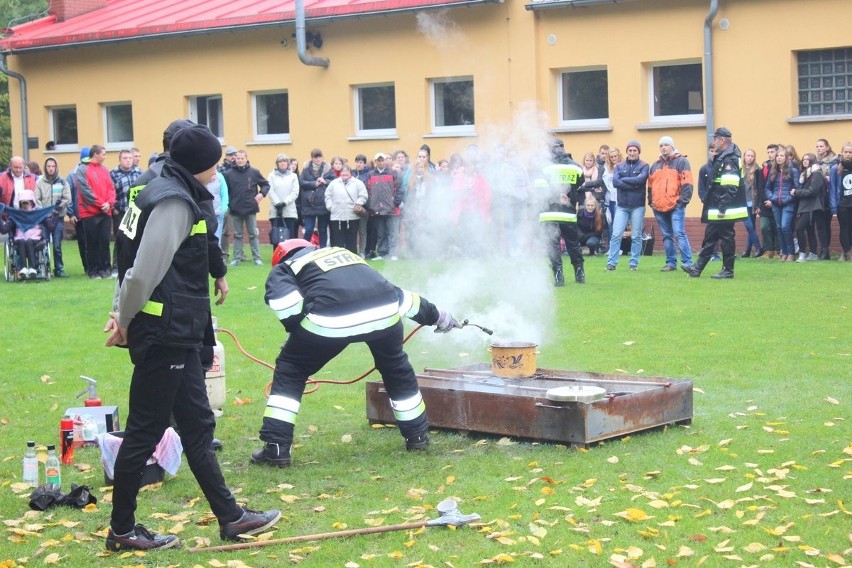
(473,203)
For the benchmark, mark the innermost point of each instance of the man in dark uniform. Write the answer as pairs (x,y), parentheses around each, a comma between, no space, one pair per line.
(724,204)
(562,179)
(163,311)
(327,299)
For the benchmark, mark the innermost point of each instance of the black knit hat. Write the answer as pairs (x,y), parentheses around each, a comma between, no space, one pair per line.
(195,148)
(173,129)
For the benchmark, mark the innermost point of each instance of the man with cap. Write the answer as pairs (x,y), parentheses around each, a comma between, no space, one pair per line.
(669,191)
(163,256)
(724,204)
(629,178)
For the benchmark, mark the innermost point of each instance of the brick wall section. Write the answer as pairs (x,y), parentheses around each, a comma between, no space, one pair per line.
(67,9)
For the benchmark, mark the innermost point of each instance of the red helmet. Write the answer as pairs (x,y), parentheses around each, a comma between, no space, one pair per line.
(286,248)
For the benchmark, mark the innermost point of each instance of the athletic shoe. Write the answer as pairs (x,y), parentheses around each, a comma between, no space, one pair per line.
(668,268)
(140,538)
(377,257)
(258,262)
(724,274)
(251,523)
(610,267)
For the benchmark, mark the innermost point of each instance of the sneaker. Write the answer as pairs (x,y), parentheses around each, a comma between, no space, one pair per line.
(234,263)
(724,274)
(377,257)
(715,258)
(417,443)
(23,273)
(579,275)
(633,268)
(394,258)
(272,454)
(258,262)
(60,274)
(811,256)
(610,267)
(140,538)
(251,523)
(94,276)
(668,268)
(558,278)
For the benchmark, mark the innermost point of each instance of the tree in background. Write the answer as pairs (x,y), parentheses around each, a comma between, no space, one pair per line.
(14,12)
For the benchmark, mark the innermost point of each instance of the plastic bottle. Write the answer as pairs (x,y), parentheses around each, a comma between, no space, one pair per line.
(52,471)
(66,440)
(31,465)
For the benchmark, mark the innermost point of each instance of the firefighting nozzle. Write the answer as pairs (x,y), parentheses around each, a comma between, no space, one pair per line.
(92,389)
(450,515)
(485,329)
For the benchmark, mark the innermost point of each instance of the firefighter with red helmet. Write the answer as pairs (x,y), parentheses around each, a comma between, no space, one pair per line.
(326,299)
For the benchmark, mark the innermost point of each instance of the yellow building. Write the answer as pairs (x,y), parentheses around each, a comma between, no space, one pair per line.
(386,75)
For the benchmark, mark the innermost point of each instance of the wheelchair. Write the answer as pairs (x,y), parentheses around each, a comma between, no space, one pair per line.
(43,258)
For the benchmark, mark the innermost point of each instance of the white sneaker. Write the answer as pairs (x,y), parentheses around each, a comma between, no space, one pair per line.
(802,257)
(23,273)
(394,258)
(33,272)
(377,258)
(811,256)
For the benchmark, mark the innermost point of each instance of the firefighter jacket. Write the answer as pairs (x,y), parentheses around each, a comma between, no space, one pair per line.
(725,200)
(562,178)
(333,292)
(178,310)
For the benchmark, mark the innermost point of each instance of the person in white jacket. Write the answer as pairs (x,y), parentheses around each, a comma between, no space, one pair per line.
(345,197)
(283,193)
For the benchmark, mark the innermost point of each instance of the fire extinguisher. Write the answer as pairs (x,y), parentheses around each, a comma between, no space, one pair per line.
(215,378)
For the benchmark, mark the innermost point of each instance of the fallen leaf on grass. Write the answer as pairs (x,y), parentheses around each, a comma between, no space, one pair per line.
(633,515)
(830,400)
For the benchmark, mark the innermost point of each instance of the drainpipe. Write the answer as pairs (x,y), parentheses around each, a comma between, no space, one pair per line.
(25,127)
(709,106)
(301,47)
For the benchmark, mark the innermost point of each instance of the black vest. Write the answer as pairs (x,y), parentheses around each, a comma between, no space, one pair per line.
(179,308)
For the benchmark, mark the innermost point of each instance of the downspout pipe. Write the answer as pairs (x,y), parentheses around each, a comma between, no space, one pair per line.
(25,127)
(709,98)
(301,44)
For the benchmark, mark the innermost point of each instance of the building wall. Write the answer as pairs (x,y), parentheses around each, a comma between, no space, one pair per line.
(503,46)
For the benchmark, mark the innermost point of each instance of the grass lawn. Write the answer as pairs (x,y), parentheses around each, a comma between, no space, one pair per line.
(762,477)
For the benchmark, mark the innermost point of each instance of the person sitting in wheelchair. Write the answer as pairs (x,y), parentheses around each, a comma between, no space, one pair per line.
(24,241)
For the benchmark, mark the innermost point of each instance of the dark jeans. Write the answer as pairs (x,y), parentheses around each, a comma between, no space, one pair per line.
(116,225)
(81,244)
(808,226)
(844,218)
(56,237)
(168,380)
(305,353)
(97,231)
(26,253)
(769,231)
(320,223)
(345,234)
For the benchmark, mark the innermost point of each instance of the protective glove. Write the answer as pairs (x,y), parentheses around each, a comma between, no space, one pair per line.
(446,323)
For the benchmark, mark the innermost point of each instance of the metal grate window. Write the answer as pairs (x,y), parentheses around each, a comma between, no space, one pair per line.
(825,82)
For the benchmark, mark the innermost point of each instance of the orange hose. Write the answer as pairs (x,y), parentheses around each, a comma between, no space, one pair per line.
(268,387)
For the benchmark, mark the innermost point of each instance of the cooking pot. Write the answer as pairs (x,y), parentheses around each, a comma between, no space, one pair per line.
(513,359)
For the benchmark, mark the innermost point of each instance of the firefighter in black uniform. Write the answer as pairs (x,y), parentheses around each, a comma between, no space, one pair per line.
(562,180)
(724,204)
(326,299)
(163,311)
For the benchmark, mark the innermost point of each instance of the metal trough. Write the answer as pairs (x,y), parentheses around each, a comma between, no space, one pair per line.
(472,399)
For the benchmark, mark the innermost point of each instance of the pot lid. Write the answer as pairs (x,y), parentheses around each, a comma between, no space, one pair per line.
(575,393)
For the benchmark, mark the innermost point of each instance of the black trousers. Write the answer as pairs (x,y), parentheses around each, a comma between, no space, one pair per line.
(721,232)
(569,233)
(168,380)
(305,353)
(345,234)
(97,230)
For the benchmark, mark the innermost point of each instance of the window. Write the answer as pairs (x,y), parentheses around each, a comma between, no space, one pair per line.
(207,110)
(825,82)
(271,113)
(63,127)
(677,93)
(452,106)
(584,97)
(375,110)
(118,119)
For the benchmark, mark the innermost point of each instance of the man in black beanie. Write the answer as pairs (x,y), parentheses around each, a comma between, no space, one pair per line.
(163,310)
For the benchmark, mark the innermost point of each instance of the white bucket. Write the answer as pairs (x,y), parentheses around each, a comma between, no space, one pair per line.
(215,380)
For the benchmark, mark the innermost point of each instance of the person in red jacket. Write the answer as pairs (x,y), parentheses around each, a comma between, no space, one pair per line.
(96,201)
(15,180)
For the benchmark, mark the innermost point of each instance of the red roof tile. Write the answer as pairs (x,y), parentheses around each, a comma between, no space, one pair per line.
(136,19)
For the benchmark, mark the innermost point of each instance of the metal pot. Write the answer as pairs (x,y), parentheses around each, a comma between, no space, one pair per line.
(513,359)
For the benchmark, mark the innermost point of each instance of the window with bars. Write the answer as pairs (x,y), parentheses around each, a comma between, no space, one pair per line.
(825,82)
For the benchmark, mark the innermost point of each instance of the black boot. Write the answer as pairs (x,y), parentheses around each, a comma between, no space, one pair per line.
(696,269)
(579,275)
(727,268)
(272,454)
(558,278)
(824,255)
(724,273)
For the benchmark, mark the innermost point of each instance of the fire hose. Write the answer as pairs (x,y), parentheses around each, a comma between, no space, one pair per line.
(449,516)
(268,387)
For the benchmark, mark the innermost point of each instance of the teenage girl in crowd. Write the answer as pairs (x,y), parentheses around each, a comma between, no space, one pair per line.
(753,177)
(841,199)
(782,178)
(809,194)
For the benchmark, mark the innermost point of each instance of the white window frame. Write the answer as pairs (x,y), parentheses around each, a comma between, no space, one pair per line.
(52,127)
(277,137)
(194,114)
(116,144)
(453,130)
(675,119)
(580,123)
(362,132)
